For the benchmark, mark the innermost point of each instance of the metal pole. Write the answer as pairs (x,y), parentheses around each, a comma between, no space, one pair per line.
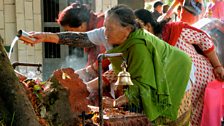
(100,87)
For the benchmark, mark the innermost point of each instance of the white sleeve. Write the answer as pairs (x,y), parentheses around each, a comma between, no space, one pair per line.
(97,37)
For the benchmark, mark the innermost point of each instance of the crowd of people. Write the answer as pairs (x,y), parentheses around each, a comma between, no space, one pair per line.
(169,74)
(189,11)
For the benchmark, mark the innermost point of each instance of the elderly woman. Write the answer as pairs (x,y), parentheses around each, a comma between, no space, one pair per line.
(183,36)
(160,72)
(154,66)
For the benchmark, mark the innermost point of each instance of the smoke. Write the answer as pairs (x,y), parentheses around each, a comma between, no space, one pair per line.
(31,72)
(74,62)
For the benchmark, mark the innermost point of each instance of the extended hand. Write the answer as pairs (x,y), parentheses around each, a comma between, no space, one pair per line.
(108,102)
(33,38)
(219,73)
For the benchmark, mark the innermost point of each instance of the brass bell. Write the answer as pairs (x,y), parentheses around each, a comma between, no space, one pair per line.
(123,77)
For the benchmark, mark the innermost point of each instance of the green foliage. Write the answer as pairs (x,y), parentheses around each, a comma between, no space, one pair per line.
(2,119)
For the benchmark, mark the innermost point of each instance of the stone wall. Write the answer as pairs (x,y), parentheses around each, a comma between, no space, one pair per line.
(16,15)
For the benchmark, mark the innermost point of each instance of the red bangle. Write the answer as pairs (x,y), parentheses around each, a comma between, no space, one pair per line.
(218,66)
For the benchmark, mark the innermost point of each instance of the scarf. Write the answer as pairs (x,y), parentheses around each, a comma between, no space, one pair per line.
(159,72)
(172,31)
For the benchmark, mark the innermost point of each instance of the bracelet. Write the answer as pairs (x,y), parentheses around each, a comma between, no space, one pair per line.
(114,103)
(218,66)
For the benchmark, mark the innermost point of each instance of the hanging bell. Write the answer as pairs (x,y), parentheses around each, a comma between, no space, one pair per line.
(123,77)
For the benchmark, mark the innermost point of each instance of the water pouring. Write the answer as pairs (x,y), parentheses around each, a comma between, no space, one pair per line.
(23,36)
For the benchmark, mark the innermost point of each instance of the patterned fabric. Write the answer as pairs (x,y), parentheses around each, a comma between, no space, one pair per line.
(72,39)
(204,69)
(109,79)
(184,113)
(185,104)
(110,76)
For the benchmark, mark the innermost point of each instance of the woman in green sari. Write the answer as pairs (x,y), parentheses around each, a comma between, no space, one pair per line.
(160,72)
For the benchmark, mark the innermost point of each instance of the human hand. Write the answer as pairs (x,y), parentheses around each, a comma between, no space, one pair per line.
(219,73)
(108,102)
(31,38)
(163,17)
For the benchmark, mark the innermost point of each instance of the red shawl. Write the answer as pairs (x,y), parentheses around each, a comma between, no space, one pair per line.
(172,30)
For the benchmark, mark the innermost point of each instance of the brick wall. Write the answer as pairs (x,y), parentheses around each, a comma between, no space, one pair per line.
(16,15)
(26,14)
(103,5)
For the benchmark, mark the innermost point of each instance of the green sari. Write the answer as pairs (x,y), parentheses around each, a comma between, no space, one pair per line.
(160,74)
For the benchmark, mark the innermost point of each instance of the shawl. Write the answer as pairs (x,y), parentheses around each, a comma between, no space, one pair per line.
(172,31)
(159,72)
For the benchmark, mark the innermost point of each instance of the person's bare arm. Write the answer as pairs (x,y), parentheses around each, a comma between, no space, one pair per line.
(170,11)
(218,68)
(213,58)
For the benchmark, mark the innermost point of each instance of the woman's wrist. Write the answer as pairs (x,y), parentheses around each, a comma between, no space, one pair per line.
(218,66)
(50,37)
(120,101)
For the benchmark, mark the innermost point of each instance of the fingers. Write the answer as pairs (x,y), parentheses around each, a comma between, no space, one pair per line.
(31,32)
(219,73)
(221,78)
(108,102)
(27,43)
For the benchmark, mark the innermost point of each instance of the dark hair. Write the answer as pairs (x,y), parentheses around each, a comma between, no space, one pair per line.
(157,3)
(74,15)
(146,17)
(165,8)
(179,8)
(124,14)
